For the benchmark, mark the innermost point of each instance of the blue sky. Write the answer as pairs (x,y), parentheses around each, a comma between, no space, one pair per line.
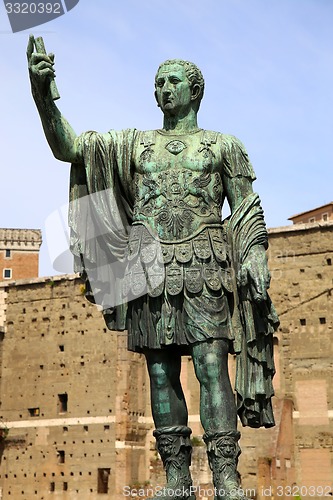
(269,81)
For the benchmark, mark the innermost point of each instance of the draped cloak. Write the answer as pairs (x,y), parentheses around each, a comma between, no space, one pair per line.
(100,216)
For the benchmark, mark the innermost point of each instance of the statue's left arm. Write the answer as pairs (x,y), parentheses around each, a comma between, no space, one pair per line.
(238,176)
(254,317)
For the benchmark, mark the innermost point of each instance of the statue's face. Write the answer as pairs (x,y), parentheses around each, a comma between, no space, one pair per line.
(173,90)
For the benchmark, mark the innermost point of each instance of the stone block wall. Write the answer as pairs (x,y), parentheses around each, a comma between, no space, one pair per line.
(76,402)
(71,397)
(301,260)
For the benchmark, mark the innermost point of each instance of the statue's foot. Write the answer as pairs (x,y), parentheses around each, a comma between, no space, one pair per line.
(174,446)
(223,452)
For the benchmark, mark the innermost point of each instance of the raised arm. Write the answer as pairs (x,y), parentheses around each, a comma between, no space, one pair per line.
(59,134)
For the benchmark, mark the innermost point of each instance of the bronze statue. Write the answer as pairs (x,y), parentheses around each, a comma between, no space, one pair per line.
(186,283)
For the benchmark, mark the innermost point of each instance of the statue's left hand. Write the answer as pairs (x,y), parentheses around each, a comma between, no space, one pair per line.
(254,273)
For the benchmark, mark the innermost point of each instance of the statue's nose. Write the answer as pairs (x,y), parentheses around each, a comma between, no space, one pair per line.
(166,87)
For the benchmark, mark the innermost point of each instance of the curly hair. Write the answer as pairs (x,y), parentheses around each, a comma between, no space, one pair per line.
(192,72)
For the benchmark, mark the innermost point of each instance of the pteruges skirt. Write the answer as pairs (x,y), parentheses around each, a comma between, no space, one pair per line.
(192,304)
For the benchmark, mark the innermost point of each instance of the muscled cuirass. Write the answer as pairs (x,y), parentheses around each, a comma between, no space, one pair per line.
(178,188)
(177,238)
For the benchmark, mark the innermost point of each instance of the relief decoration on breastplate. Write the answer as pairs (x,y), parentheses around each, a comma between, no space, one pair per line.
(177,201)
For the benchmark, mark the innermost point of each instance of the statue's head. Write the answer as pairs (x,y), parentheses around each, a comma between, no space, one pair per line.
(193,76)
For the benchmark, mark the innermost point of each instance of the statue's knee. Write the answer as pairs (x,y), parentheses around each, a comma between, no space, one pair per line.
(157,376)
(163,376)
(212,359)
(208,369)
(206,376)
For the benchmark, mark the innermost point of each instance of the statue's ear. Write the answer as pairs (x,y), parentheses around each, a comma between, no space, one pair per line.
(195,92)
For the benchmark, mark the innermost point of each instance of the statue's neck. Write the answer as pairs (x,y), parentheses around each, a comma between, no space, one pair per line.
(179,124)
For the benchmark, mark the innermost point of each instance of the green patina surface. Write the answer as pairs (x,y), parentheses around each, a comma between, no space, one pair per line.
(198,285)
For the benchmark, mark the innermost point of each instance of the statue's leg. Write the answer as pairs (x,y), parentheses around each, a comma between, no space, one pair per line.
(170,416)
(217,401)
(218,416)
(166,394)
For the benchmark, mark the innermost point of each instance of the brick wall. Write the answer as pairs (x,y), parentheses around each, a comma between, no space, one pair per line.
(301,260)
(56,346)
(22,264)
(56,343)
(19,253)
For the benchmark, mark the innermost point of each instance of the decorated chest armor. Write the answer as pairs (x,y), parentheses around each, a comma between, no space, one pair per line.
(177,239)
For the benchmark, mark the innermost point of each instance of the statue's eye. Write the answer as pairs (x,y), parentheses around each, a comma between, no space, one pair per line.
(160,83)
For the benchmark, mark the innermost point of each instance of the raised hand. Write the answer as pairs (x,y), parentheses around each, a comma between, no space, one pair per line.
(59,134)
(41,70)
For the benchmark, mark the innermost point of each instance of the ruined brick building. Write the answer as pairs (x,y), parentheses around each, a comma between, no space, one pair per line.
(75,416)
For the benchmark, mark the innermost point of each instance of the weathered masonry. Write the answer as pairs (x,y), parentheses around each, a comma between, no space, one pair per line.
(75,403)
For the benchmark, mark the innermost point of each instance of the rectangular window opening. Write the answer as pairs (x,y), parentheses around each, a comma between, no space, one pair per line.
(322,321)
(329,262)
(61,456)
(302,321)
(62,403)
(8,253)
(325,216)
(34,412)
(52,486)
(7,274)
(61,348)
(103,480)
(65,486)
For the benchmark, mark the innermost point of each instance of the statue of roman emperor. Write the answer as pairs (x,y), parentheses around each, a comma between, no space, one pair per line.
(185,282)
